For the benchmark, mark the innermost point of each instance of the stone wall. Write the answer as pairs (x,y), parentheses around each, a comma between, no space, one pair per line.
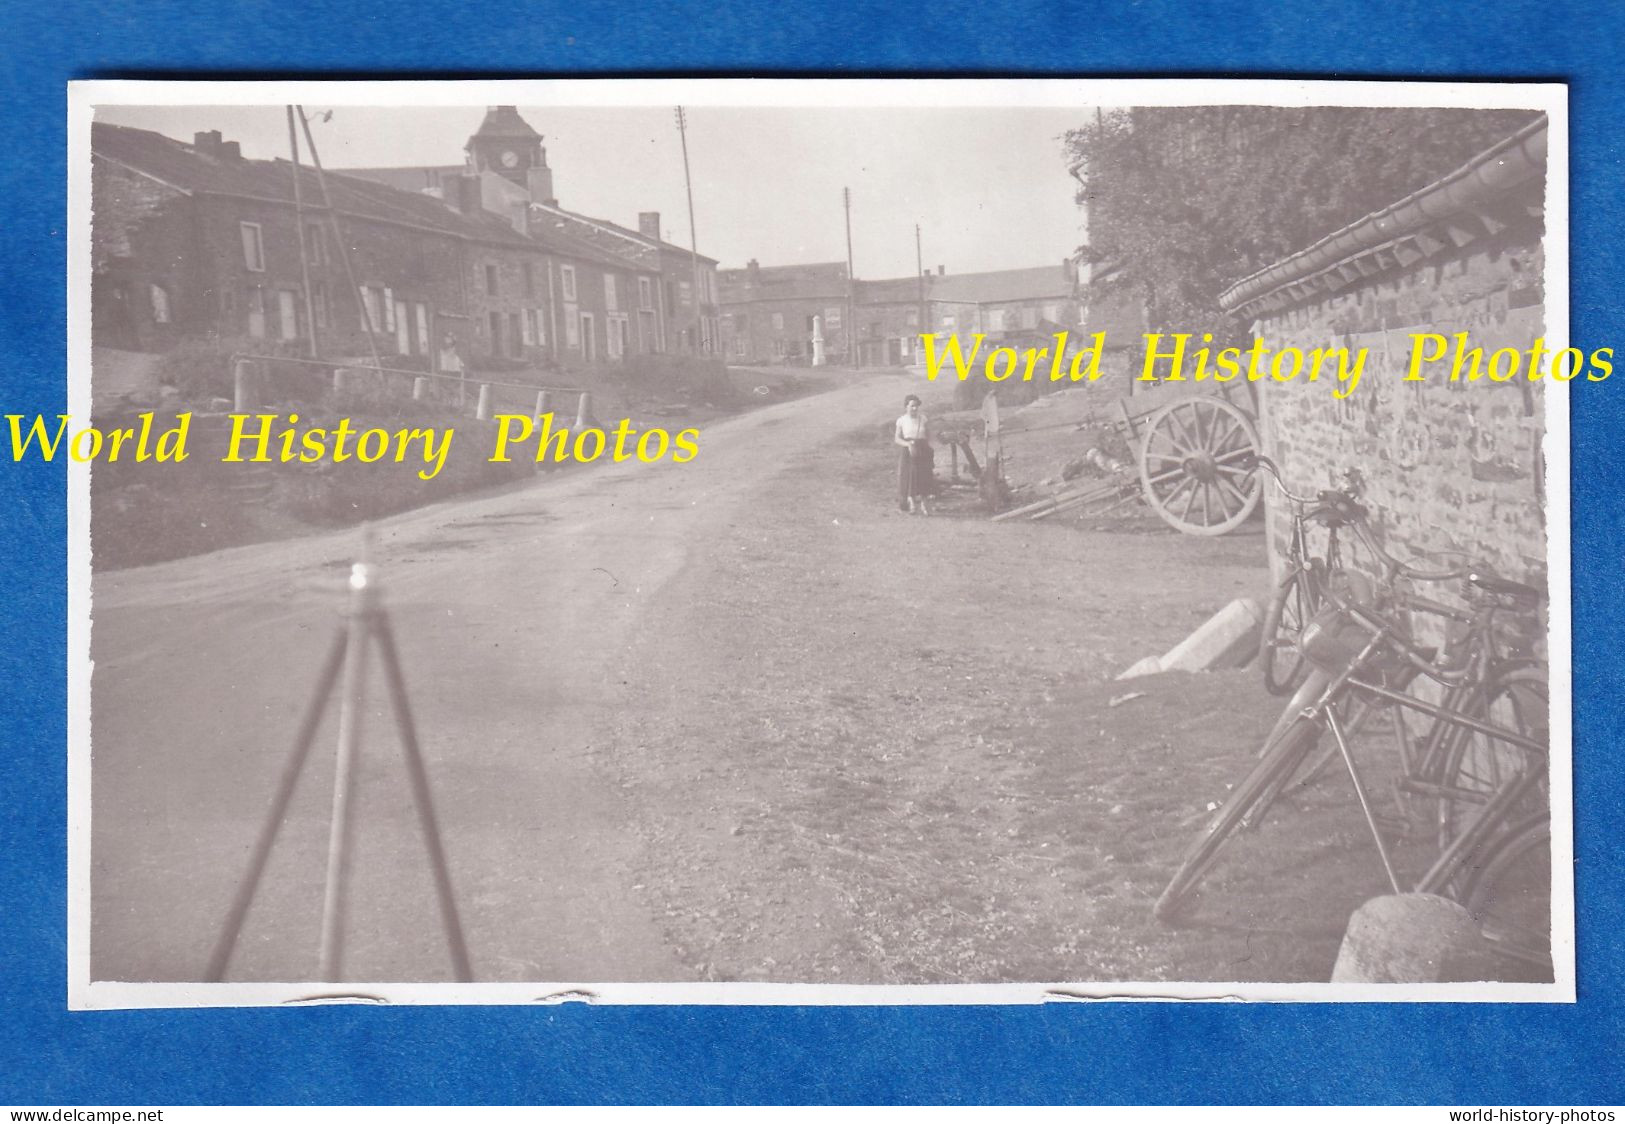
(1447,465)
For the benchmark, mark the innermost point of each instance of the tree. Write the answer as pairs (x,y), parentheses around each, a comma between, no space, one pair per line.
(1183,202)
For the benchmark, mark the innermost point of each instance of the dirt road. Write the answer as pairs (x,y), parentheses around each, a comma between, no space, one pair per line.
(736,719)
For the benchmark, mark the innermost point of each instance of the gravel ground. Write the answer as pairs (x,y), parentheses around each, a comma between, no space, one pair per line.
(868,747)
(738,720)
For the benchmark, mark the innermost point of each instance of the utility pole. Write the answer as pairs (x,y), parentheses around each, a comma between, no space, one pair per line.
(338,236)
(851,286)
(919,275)
(299,219)
(693,239)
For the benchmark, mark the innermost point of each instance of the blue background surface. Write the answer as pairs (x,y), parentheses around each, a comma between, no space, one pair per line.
(1090,1053)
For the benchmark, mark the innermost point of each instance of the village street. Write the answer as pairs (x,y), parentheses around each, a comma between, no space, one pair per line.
(738,719)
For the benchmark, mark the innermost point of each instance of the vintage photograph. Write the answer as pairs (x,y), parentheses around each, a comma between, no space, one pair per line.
(814,542)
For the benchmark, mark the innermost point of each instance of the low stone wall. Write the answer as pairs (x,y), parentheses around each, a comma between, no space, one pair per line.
(1447,465)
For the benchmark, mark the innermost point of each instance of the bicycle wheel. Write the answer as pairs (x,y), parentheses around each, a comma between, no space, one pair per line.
(1510,897)
(1295,601)
(1251,798)
(1479,763)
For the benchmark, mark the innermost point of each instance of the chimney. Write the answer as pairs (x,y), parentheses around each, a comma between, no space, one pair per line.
(539,182)
(941,270)
(462,193)
(649,223)
(211,144)
(753,269)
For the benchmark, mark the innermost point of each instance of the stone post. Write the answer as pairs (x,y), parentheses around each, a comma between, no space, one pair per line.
(242,386)
(1412,938)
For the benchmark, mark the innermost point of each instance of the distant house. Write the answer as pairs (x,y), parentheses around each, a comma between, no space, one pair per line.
(1005,300)
(768,310)
(683,317)
(769,314)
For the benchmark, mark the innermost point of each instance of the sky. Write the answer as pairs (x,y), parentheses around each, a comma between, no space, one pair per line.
(988,186)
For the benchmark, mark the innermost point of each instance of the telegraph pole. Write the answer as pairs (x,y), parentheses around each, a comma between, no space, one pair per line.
(299,221)
(919,276)
(851,286)
(338,236)
(693,239)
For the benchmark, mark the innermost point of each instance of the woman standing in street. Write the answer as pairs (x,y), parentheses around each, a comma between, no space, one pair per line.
(913,462)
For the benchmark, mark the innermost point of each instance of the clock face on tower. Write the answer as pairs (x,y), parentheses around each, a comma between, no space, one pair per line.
(509,158)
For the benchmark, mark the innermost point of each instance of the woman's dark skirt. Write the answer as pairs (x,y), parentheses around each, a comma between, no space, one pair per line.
(913,473)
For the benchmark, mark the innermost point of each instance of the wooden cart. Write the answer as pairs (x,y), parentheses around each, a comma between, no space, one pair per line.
(1191,448)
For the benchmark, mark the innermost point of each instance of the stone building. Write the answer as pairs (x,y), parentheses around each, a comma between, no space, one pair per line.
(668,306)
(195,241)
(1449,465)
(769,310)
(889,315)
(770,313)
(1004,300)
(677,315)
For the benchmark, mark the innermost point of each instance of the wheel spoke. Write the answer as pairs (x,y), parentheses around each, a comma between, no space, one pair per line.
(1196,423)
(1190,502)
(1225,508)
(1185,434)
(1208,438)
(1241,499)
(1221,430)
(1185,482)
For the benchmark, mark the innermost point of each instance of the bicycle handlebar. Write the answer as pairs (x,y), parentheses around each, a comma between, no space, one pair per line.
(1398,569)
(1261,461)
(1392,636)
(1341,505)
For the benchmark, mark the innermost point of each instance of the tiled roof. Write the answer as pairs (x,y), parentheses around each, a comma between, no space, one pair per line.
(194,170)
(1448,212)
(818,281)
(630,233)
(1002,285)
(417,179)
(897,290)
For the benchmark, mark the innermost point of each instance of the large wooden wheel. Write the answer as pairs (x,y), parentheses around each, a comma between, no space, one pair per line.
(1192,465)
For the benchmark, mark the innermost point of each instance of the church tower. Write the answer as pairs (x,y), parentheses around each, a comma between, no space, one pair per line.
(507,145)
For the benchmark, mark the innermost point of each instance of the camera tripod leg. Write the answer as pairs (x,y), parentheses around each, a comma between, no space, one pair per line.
(422,798)
(221,958)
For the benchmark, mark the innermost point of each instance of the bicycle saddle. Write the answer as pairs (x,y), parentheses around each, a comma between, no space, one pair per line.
(1338,509)
(1488,582)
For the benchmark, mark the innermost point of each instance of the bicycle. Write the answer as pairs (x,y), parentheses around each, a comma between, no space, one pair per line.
(1484,751)
(1299,595)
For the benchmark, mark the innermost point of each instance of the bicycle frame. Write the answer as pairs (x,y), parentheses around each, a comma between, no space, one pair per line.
(1447,719)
